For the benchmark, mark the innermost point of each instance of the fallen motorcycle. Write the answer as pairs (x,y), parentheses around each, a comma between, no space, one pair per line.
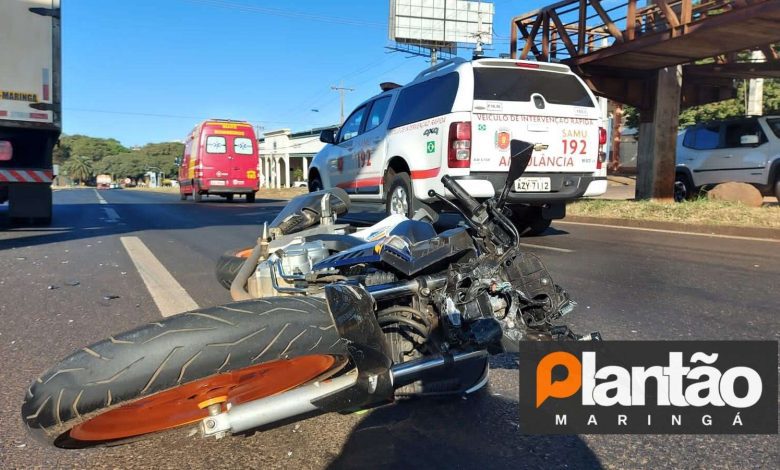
(327,318)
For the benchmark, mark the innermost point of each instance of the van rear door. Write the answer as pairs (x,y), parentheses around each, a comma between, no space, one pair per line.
(244,160)
(538,103)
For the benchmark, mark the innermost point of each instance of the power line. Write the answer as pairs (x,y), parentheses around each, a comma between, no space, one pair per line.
(168,116)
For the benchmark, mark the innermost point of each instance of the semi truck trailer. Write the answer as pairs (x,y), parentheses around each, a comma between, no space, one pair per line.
(30,106)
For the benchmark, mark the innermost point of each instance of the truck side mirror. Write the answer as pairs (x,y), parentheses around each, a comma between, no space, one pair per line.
(749,139)
(328,136)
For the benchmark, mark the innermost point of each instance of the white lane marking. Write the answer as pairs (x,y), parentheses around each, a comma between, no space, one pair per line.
(551,248)
(675,232)
(111,214)
(113,217)
(167,293)
(100,198)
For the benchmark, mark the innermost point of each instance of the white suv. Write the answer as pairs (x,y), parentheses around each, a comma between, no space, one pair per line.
(745,150)
(458,118)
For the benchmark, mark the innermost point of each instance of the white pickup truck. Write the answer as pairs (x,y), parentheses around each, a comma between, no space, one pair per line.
(458,118)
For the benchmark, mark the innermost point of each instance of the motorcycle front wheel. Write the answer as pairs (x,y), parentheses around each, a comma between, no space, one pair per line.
(167,374)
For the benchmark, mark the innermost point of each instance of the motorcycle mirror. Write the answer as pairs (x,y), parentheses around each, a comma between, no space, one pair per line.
(521,157)
(520,152)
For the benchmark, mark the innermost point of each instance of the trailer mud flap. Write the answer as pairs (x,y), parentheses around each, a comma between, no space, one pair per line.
(31,201)
(352,309)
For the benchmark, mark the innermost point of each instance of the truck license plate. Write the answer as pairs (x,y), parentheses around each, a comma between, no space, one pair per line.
(527,185)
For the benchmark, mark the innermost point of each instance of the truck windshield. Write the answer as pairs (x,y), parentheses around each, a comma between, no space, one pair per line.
(499,84)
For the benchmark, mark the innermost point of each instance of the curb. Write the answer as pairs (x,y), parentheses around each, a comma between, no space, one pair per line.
(750,232)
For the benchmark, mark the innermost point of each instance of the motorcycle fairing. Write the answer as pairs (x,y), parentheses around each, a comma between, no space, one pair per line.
(399,251)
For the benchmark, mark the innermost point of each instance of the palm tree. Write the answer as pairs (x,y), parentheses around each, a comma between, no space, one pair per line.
(80,168)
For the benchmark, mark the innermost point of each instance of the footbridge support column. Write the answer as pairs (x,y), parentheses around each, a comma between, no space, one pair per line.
(658,138)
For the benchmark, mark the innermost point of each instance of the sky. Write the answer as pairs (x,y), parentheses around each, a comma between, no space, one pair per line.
(147,71)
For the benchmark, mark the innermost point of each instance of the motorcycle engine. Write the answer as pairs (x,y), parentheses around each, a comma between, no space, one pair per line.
(294,260)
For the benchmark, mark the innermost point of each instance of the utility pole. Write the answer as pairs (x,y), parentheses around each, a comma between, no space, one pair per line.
(341,89)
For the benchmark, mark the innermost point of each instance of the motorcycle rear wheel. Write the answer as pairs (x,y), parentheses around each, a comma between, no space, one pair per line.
(166,374)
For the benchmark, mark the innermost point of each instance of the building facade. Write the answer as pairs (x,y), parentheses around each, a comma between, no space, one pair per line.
(285,156)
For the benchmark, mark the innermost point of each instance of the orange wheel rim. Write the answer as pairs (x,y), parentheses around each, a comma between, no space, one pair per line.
(187,403)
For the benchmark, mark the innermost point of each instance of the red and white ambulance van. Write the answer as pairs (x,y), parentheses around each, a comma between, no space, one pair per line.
(220,158)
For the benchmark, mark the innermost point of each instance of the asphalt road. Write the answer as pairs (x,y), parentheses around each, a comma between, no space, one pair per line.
(65,286)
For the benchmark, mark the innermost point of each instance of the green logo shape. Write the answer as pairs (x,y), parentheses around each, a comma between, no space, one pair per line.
(431,147)
(482,127)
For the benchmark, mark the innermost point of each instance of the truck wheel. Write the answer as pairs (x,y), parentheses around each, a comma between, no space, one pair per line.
(165,374)
(183,196)
(229,264)
(684,190)
(529,221)
(777,188)
(229,197)
(538,226)
(196,195)
(250,198)
(315,184)
(399,197)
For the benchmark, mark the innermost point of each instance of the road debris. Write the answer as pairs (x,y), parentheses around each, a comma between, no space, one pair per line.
(73,283)
(52,287)
(110,297)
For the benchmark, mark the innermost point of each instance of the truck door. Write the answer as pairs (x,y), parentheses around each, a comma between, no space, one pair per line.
(370,148)
(744,162)
(707,162)
(342,160)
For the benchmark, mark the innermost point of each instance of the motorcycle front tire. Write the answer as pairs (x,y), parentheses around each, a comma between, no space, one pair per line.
(166,374)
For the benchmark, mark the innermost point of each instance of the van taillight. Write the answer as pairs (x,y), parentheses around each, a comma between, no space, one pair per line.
(459,145)
(602,157)
(6,150)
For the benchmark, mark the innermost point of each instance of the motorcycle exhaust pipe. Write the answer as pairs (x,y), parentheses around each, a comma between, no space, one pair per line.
(299,401)
(412,371)
(272,409)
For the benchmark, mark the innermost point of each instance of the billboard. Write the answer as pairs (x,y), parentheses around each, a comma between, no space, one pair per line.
(438,23)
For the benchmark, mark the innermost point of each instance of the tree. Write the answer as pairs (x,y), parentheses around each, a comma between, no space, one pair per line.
(61,153)
(719,110)
(82,145)
(163,155)
(79,168)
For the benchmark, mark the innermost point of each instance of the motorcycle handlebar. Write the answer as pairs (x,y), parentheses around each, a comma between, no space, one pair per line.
(470,205)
